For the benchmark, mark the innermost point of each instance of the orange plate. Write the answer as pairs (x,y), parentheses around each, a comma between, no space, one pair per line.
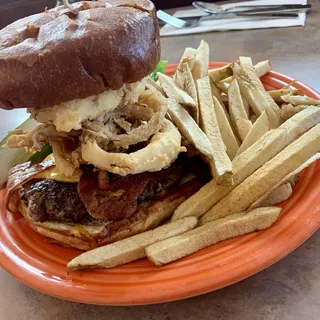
(41,265)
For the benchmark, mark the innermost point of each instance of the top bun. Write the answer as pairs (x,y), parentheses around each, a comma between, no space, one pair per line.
(61,55)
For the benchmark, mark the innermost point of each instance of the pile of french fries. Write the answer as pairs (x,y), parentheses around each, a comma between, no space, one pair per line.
(255,142)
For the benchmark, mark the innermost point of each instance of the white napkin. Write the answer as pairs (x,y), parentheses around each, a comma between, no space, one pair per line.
(236,24)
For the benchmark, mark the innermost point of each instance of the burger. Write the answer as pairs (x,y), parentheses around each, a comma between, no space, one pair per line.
(107,162)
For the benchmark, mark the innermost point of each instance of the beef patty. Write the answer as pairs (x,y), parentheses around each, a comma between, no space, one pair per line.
(119,197)
(53,200)
(98,196)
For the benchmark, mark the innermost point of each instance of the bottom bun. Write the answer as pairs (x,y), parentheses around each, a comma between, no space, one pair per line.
(89,236)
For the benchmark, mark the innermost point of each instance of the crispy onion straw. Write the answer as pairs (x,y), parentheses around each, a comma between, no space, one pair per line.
(163,149)
(152,114)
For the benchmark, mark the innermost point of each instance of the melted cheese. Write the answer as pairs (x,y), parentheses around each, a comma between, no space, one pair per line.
(54,174)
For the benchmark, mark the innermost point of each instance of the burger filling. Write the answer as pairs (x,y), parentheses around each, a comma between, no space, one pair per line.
(114,154)
(99,195)
(123,131)
(70,115)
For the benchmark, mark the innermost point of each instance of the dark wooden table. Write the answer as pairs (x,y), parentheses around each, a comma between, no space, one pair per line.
(288,290)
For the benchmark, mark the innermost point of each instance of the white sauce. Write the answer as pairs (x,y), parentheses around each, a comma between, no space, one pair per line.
(69,115)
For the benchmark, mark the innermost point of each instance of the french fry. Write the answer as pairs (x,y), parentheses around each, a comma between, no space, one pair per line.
(274,141)
(189,84)
(191,89)
(185,80)
(276,94)
(223,86)
(259,128)
(221,73)
(280,194)
(298,100)
(174,248)
(290,178)
(178,78)
(261,68)
(238,114)
(173,91)
(227,133)
(249,161)
(189,128)
(220,165)
(129,249)
(201,64)
(154,86)
(269,175)
(246,106)
(253,90)
(288,110)
(188,56)
(216,93)
(293,180)
(274,117)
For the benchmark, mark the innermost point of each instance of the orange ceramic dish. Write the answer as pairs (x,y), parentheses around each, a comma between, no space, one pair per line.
(30,258)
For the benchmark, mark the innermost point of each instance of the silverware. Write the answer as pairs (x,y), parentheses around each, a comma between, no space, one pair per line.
(191,22)
(216,9)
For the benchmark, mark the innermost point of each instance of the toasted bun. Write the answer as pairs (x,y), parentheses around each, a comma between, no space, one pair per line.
(87,237)
(58,55)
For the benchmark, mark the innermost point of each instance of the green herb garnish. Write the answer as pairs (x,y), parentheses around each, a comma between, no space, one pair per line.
(159,68)
(39,156)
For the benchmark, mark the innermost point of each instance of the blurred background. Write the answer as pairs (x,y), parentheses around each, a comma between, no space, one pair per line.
(11,10)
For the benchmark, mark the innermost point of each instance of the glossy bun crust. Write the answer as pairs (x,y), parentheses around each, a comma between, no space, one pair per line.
(61,55)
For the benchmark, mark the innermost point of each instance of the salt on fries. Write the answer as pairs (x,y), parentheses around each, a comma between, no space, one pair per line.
(256,143)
